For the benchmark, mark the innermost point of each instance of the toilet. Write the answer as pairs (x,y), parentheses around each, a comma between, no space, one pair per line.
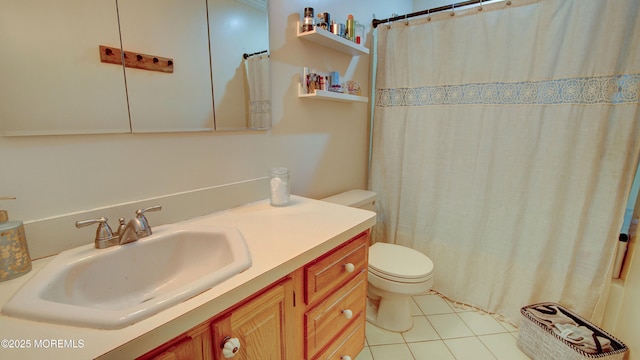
(395,273)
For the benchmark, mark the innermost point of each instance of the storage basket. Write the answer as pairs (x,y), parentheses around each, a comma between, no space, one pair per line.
(540,342)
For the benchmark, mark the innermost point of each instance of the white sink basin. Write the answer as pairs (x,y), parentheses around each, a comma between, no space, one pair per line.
(118,286)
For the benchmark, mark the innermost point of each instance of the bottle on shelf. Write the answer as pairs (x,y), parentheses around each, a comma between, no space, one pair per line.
(309,22)
(351,28)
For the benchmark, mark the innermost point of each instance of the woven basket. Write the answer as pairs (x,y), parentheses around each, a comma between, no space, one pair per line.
(539,342)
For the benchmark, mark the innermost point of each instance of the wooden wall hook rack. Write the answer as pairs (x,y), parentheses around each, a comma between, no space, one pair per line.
(113,55)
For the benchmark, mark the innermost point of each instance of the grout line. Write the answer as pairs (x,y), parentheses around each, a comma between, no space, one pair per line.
(368,347)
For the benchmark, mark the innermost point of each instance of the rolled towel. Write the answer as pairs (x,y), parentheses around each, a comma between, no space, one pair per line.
(550,315)
(583,338)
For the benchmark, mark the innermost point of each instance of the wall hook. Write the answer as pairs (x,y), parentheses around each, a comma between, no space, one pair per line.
(114,55)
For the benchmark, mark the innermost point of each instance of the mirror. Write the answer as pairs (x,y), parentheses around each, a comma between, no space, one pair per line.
(239,46)
(74,92)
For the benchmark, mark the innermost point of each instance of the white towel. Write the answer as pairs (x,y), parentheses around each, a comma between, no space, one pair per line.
(550,315)
(258,79)
(582,337)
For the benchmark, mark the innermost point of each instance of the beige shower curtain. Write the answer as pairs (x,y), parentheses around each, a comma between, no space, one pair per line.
(504,145)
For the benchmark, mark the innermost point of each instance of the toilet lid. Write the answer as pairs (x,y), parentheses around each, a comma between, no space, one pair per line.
(393,261)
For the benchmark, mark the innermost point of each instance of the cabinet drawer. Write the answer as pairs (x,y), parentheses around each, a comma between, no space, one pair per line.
(351,343)
(330,272)
(325,321)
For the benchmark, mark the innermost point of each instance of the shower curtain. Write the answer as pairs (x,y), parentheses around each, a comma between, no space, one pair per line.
(505,139)
(258,87)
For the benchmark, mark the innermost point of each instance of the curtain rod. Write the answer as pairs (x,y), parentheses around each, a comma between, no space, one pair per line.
(376,22)
(245,55)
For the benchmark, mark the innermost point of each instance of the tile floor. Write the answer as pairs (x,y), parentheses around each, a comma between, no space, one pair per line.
(444,332)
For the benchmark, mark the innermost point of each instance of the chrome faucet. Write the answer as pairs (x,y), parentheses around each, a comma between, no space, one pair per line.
(136,228)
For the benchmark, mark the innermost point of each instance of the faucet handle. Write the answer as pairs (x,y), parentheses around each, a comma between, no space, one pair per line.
(144,223)
(104,230)
(149,209)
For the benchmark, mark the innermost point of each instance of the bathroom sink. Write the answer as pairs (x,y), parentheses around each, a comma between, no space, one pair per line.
(118,286)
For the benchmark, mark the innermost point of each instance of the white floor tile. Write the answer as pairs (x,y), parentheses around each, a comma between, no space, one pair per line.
(470,348)
(449,326)
(421,331)
(378,336)
(446,333)
(365,354)
(414,308)
(481,323)
(432,304)
(503,346)
(430,350)
(391,352)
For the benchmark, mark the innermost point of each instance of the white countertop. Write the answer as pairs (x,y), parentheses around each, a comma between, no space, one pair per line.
(280,240)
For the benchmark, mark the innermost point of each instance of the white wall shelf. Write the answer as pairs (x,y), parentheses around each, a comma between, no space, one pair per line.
(330,95)
(330,40)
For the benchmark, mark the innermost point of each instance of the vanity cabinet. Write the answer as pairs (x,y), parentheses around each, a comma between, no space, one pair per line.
(262,326)
(335,295)
(316,312)
(193,345)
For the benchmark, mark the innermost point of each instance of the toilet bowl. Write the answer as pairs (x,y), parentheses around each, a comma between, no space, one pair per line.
(395,273)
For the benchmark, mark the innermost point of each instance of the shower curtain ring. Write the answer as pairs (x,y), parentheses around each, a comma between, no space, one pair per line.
(428,15)
(480,7)
(406,22)
(453,9)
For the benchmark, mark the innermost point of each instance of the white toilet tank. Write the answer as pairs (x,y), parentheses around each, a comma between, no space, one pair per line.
(362,199)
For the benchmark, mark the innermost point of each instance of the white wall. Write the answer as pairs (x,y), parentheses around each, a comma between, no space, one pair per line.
(325,144)
(419,5)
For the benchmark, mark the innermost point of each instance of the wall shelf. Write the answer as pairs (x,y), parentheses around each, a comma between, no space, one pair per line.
(330,40)
(330,95)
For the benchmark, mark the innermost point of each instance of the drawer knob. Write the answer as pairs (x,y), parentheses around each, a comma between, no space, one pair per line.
(346,357)
(348,314)
(349,267)
(230,347)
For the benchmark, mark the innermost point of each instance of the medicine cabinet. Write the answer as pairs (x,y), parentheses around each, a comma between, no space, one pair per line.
(53,80)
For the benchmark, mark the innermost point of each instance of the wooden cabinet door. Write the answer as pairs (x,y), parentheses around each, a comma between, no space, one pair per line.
(176,29)
(263,325)
(193,345)
(51,78)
